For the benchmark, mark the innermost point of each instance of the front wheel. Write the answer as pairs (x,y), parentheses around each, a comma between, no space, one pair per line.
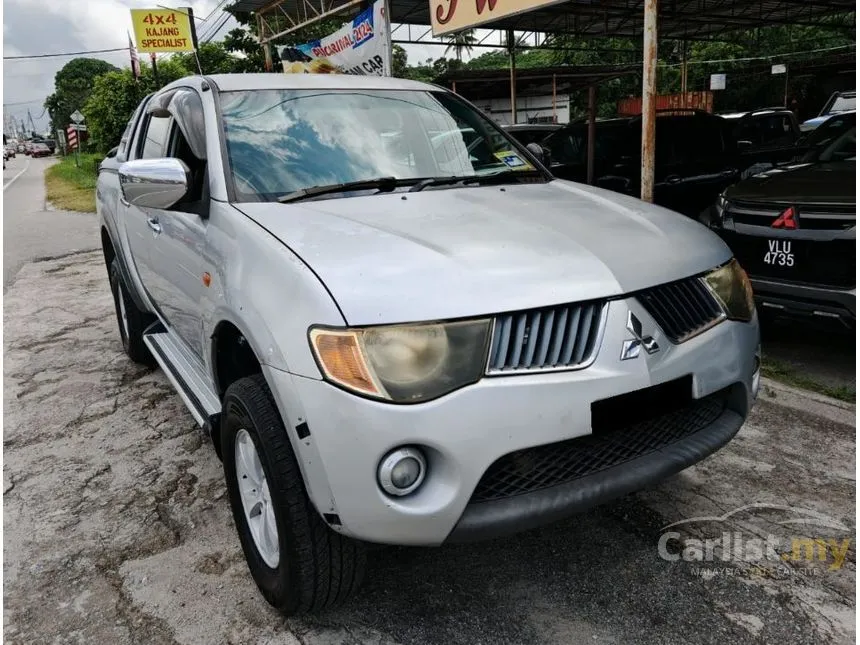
(131,320)
(298,563)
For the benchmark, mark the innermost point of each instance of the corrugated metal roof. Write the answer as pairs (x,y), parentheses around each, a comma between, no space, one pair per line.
(589,18)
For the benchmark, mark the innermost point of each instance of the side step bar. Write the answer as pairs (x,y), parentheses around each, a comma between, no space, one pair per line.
(184,372)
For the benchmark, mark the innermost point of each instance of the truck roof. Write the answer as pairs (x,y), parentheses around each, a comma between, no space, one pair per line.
(235,82)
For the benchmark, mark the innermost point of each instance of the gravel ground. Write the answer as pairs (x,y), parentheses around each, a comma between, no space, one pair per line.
(117,527)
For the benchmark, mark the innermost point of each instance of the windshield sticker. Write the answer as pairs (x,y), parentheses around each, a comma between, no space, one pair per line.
(513,160)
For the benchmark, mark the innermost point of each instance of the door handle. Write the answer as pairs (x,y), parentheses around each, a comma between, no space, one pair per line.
(153,224)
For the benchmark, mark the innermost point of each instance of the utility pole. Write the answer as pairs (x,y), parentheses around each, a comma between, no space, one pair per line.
(154,70)
(32,125)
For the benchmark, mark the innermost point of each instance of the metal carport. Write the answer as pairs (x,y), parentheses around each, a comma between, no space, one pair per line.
(676,19)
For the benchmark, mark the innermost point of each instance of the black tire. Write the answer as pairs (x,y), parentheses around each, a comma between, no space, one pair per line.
(317,567)
(138,321)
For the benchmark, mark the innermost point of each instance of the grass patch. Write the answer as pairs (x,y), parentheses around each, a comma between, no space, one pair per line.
(785,373)
(73,188)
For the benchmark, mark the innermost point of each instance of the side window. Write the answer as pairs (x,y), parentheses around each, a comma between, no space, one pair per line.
(123,143)
(187,142)
(155,137)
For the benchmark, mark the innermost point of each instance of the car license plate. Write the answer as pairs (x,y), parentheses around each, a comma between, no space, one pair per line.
(779,253)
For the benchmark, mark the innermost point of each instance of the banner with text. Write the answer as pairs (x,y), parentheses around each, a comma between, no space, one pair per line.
(163,30)
(450,16)
(360,47)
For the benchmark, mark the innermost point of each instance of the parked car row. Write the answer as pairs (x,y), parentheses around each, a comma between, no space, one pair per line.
(783,200)
(793,227)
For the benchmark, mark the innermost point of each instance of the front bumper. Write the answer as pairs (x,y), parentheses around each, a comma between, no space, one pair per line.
(806,300)
(465,432)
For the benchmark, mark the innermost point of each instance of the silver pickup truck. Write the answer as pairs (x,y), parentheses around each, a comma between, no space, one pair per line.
(398,328)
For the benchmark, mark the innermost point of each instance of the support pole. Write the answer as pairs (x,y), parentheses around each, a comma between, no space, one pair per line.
(592,131)
(684,72)
(513,54)
(554,116)
(454,86)
(649,90)
(154,70)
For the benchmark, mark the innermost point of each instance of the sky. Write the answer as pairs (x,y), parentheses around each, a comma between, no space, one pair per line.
(60,26)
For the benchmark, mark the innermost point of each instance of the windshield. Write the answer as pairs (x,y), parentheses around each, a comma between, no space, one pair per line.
(843,104)
(283,141)
(843,149)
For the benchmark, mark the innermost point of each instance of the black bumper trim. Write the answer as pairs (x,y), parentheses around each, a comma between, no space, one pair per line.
(486,520)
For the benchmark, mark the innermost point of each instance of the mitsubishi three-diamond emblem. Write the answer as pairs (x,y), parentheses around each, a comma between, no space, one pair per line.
(630,348)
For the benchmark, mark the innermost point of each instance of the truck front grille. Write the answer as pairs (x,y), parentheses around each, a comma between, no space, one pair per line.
(682,309)
(832,217)
(564,337)
(623,428)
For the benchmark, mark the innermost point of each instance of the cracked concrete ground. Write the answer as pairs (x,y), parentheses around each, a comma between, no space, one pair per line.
(117,528)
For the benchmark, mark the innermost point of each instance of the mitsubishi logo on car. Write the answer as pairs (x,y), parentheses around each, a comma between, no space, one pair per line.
(631,348)
(787,219)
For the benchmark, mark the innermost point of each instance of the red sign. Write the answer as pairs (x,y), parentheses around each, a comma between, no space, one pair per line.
(72,137)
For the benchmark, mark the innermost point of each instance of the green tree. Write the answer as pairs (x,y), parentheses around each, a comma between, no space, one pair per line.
(116,94)
(72,86)
(399,62)
(214,59)
(460,42)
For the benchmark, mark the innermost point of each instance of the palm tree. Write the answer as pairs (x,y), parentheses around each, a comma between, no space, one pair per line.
(462,40)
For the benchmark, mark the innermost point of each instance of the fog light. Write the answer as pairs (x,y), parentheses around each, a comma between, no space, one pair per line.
(402,471)
(756,377)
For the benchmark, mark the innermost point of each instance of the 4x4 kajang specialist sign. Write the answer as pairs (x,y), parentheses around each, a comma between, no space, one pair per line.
(360,47)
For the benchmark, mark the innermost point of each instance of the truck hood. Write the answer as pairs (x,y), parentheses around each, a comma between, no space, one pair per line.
(809,183)
(453,253)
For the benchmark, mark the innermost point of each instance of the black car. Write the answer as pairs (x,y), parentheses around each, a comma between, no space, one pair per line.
(793,228)
(696,157)
(527,133)
(769,135)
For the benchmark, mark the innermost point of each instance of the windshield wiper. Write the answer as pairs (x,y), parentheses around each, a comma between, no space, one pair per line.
(493,178)
(442,181)
(382,184)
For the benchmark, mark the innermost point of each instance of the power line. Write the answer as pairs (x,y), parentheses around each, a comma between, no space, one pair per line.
(92,51)
(24,102)
(217,29)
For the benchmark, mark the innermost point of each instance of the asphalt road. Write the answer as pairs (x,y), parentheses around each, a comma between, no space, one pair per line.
(30,230)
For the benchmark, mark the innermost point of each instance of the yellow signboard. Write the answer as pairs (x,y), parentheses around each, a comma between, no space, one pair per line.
(450,16)
(163,30)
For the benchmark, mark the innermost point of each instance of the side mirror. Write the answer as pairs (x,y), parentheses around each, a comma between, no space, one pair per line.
(154,183)
(538,151)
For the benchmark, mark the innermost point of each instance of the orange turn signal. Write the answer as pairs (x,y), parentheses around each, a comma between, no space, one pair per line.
(341,359)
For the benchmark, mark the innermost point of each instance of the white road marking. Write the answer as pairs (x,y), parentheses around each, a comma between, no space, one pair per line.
(9,183)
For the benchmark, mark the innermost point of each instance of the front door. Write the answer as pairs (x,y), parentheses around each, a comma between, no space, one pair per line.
(177,257)
(140,224)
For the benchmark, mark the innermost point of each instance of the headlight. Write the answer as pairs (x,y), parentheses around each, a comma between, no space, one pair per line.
(732,287)
(403,363)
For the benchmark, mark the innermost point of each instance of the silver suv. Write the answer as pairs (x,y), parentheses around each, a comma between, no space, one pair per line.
(397,327)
